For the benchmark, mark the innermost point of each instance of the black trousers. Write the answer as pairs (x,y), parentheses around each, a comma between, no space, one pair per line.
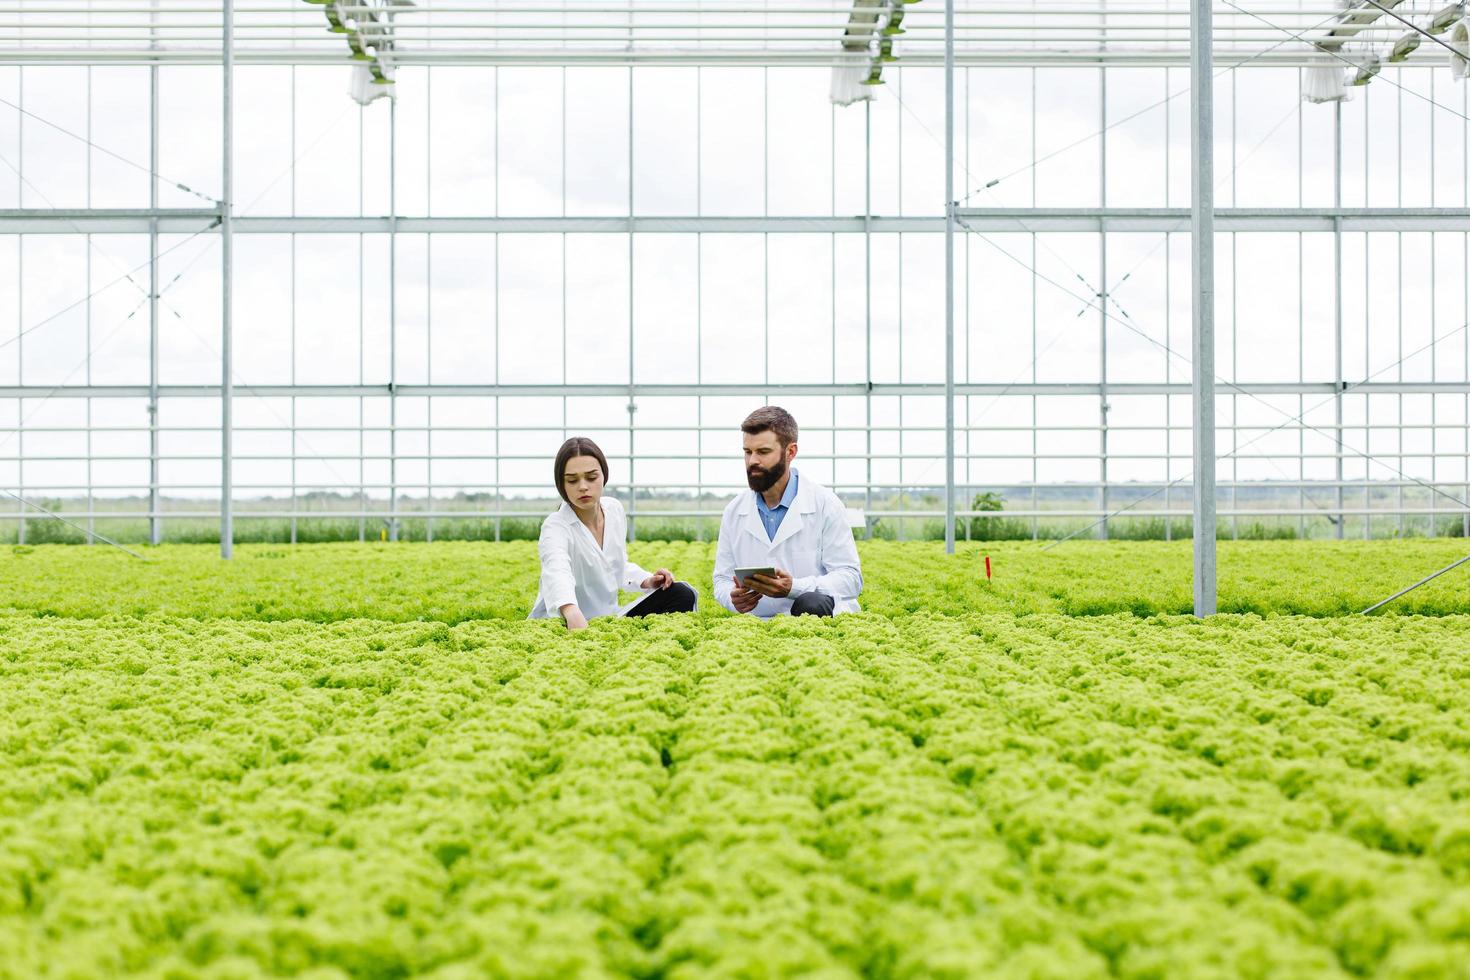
(677,598)
(813,604)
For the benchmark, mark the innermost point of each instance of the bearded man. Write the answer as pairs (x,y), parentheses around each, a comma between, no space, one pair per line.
(787,523)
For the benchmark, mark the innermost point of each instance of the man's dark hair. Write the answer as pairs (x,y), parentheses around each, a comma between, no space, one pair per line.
(573,447)
(769,417)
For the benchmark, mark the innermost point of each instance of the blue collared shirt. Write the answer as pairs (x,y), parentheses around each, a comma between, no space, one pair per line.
(772,517)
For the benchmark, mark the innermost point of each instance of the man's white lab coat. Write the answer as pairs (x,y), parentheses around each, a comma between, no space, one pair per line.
(814,544)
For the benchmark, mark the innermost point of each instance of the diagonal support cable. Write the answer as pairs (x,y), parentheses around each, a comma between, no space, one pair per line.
(1347,61)
(1131,116)
(42,401)
(1274,429)
(1416,28)
(102,149)
(1218,380)
(126,276)
(1229,384)
(91,534)
(1423,581)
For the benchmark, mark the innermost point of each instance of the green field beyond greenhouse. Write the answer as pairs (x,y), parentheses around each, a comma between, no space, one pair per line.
(361,761)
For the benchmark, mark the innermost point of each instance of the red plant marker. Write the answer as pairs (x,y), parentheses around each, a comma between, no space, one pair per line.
(987,568)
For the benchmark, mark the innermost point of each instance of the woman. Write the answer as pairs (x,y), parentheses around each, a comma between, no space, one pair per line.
(584,560)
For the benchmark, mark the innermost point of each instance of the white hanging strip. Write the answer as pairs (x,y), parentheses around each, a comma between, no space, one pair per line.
(364,88)
(1460,41)
(1325,83)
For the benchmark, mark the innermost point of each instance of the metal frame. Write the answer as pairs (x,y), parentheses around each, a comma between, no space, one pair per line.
(1103,221)
(876,389)
(227,284)
(707,32)
(949,229)
(68,221)
(1202,305)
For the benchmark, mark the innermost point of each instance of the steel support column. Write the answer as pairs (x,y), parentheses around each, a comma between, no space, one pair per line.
(949,206)
(1337,383)
(393,318)
(1202,246)
(227,274)
(155,520)
(20,349)
(633,332)
(868,305)
(1102,298)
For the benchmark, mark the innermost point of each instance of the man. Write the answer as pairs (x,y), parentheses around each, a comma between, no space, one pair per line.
(788,522)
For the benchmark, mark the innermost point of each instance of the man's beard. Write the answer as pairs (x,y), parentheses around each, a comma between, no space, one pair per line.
(766,480)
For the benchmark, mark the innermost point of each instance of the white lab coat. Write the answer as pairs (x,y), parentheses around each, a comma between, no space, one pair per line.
(814,544)
(575,569)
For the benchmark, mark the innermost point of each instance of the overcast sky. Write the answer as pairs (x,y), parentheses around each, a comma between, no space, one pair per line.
(718,308)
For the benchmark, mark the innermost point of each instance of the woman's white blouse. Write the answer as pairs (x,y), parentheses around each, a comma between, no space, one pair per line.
(575,569)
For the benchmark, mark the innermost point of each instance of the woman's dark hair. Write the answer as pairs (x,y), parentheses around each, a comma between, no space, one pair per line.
(573,447)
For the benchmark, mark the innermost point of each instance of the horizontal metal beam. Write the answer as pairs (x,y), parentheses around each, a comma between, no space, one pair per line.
(691,458)
(34,221)
(1118,492)
(1145,54)
(386,514)
(975,429)
(1226,219)
(247,10)
(718,390)
(609,225)
(106,214)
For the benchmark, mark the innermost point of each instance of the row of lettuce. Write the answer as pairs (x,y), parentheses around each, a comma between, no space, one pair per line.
(908,796)
(459,582)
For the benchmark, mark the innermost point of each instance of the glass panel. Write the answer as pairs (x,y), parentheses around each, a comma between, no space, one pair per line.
(531,324)
(529,141)
(665,158)
(732,141)
(464,135)
(597,141)
(325,147)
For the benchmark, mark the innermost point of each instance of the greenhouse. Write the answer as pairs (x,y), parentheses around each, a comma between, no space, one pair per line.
(1111,363)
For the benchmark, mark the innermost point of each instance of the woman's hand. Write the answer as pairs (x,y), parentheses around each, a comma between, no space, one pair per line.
(661,579)
(573,615)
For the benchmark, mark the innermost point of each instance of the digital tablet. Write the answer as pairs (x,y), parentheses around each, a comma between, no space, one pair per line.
(744,573)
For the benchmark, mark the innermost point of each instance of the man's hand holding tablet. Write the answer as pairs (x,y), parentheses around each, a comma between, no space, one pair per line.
(773,582)
(744,596)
